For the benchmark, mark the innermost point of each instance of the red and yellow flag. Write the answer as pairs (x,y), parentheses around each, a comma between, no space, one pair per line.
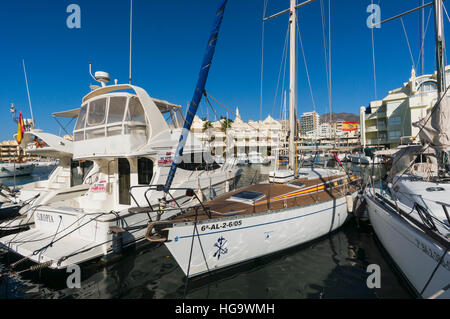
(20,129)
(349,126)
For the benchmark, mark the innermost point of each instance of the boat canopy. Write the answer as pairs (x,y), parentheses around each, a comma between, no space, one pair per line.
(69,114)
(176,118)
(405,158)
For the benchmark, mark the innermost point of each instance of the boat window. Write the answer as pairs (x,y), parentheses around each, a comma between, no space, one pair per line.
(421,158)
(111,117)
(145,170)
(114,130)
(135,111)
(78,136)
(95,133)
(81,117)
(97,113)
(135,117)
(79,171)
(124,182)
(116,108)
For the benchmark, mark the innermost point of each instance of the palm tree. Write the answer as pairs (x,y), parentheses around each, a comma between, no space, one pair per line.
(207,125)
(226,124)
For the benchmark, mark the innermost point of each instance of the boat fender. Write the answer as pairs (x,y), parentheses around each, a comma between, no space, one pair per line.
(349,200)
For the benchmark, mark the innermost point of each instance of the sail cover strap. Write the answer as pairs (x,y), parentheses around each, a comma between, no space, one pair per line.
(192,110)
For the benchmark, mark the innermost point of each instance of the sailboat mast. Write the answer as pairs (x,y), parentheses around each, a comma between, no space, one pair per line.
(440,47)
(440,69)
(292,85)
(28,93)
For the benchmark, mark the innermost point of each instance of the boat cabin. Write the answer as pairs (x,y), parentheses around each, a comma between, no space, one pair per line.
(114,122)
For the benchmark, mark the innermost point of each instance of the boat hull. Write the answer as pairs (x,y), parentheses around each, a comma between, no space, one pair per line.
(224,242)
(66,236)
(19,169)
(414,254)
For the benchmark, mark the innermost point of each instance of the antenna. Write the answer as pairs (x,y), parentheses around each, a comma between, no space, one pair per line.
(13,112)
(99,76)
(90,70)
(28,92)
(131,33)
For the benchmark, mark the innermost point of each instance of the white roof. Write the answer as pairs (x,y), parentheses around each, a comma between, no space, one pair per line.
(70,113)
(162,105)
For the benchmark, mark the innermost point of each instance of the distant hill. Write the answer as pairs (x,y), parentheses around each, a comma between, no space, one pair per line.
(346,117)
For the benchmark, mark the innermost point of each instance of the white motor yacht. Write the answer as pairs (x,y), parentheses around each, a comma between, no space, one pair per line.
(15,169)
(242,159)
(257,158)
(123,132)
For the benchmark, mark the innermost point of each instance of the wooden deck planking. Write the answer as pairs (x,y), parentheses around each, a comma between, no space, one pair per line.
(222,205)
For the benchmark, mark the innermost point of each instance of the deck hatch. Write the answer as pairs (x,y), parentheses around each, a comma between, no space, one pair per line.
(297,184)
(247,197)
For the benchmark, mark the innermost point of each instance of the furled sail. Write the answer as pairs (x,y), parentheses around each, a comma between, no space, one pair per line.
(435,127)
(199,89)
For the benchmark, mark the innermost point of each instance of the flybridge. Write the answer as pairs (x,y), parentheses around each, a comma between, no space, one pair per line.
(119,119)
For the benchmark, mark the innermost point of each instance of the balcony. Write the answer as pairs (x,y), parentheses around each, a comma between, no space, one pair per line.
(376,115)
(376,128)
(376,141)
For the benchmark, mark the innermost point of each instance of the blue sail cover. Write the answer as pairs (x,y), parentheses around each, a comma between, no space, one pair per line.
(199,89)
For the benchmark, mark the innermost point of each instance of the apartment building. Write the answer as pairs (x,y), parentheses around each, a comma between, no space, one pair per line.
(241,137)
(388,122)
(309,122)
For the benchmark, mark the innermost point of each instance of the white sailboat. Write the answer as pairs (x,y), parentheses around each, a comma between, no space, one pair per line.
(257,158)
(409,210)
(259,219)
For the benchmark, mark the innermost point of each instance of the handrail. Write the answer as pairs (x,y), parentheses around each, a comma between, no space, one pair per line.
(444,207)
(444,242)
(160,188)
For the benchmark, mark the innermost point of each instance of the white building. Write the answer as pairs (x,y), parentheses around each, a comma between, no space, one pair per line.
(309,121)
(241,137)
(388,122)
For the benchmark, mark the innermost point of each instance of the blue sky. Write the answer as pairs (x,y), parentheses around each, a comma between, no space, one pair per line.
(168,44)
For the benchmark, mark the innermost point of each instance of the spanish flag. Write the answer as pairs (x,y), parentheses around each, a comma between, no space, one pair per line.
(349,126)
(20,129)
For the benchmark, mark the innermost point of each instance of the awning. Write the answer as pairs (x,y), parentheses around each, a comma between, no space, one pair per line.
(165,106)
(70,113)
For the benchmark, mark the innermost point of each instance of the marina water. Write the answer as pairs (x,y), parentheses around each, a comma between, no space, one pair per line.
(334,266)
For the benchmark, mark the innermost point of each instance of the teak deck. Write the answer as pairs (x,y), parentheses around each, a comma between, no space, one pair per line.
(280,195)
